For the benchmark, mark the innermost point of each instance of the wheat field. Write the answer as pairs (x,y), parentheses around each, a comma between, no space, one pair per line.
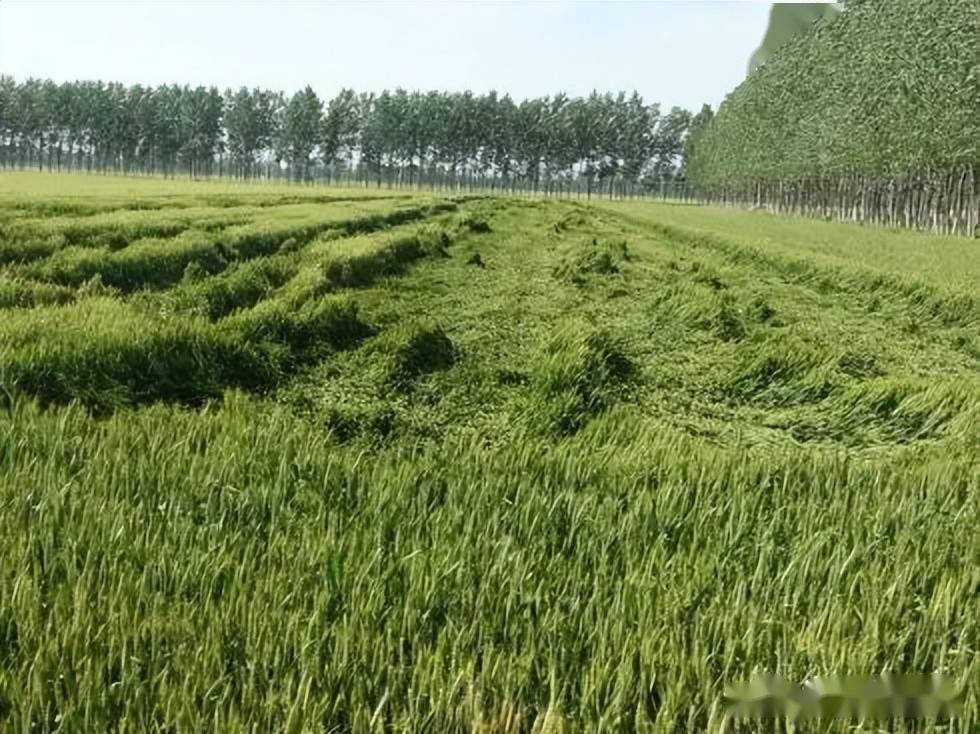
(367,460)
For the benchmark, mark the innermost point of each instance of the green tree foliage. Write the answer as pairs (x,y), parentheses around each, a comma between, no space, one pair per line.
(873,115)
(786,21)
(614,144)
(200,127)
(301,131)
(250,119)
(699,123)
(669,144)
(341,128)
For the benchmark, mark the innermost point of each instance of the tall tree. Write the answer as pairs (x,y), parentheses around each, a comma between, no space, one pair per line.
(201,111)
(699,124)
(8,105)
(341,129)
(301,132)
(250,124)
(668,144)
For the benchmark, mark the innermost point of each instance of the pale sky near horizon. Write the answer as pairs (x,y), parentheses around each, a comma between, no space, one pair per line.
(682,52)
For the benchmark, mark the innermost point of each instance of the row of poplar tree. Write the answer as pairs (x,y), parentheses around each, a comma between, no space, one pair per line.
(874,115)
(603,143)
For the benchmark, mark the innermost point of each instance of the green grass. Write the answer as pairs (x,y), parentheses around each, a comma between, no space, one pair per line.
(444,464)
(939,261)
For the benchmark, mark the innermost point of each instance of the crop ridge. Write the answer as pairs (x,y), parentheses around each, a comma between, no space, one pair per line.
(960,309)
(361,454)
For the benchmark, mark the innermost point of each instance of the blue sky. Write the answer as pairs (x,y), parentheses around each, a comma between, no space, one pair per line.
(674,52)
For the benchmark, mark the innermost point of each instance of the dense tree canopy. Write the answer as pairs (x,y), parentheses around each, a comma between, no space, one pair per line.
(611,143)
(874,115)
(786,21)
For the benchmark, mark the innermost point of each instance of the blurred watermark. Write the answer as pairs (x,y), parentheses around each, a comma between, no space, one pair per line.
(886,696)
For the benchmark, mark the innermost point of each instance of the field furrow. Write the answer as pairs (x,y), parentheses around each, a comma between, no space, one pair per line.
(499,461)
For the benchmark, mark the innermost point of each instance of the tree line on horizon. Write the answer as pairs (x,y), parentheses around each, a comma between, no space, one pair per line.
(616,144)
(871,115)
